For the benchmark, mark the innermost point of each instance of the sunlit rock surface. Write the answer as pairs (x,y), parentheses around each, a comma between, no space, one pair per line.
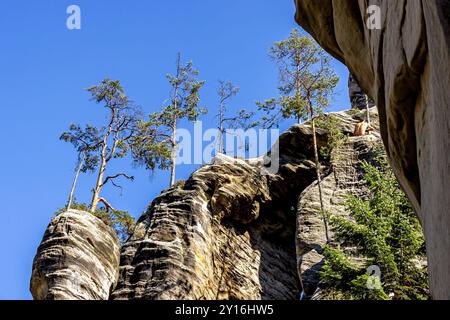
(78,259)
(405,67)
(231,231)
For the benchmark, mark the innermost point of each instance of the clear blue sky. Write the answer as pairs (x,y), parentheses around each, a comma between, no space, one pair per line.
(44,68)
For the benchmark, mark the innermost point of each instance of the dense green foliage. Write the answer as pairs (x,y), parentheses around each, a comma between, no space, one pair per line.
(385,233)
(307,80)
(336,137)
(121,221)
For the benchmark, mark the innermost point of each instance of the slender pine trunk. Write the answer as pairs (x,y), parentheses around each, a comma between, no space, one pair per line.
(98,186)
(319,179)
(221,130)
(174,124)
(298,91)
(367,109)
(74,183)
(173,156)
(102,169)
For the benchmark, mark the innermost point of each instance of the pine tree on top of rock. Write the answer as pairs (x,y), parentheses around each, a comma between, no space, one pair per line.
(97,146)
(307,84)
(156,143)
(240,120)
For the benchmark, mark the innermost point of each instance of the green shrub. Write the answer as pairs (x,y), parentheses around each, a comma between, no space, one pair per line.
(121,221)
(336,138)
(385,233)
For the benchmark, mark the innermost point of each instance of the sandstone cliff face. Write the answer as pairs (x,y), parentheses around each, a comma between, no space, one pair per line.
(358,97)
(345,177)
(405,68)
(228,232)
(78,259)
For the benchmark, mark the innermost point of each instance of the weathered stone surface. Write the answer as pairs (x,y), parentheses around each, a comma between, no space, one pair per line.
(358,97)
(227,233)
(345,176)
(405,67)
(78,259)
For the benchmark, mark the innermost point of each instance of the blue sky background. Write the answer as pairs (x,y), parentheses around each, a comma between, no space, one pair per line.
(44,68)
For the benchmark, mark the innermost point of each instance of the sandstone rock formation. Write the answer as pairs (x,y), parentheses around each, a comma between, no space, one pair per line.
(78,259)
(345,177)
(405,68)
(358,97)
(228,233)
(231,231)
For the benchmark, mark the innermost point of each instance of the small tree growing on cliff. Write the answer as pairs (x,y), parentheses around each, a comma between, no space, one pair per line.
(307,82)
(226,91)
(155,145)
(115,137)
(96,147)
(385,232)
(86,142)
(121,221)
(335,137)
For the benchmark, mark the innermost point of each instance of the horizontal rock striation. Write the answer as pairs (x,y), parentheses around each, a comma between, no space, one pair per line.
(78,259)
(227,233)
(233,230)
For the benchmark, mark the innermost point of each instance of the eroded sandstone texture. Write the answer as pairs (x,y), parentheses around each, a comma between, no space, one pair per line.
(345,176)
(358,97)
(405,68)
(78,259)
(227,233)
